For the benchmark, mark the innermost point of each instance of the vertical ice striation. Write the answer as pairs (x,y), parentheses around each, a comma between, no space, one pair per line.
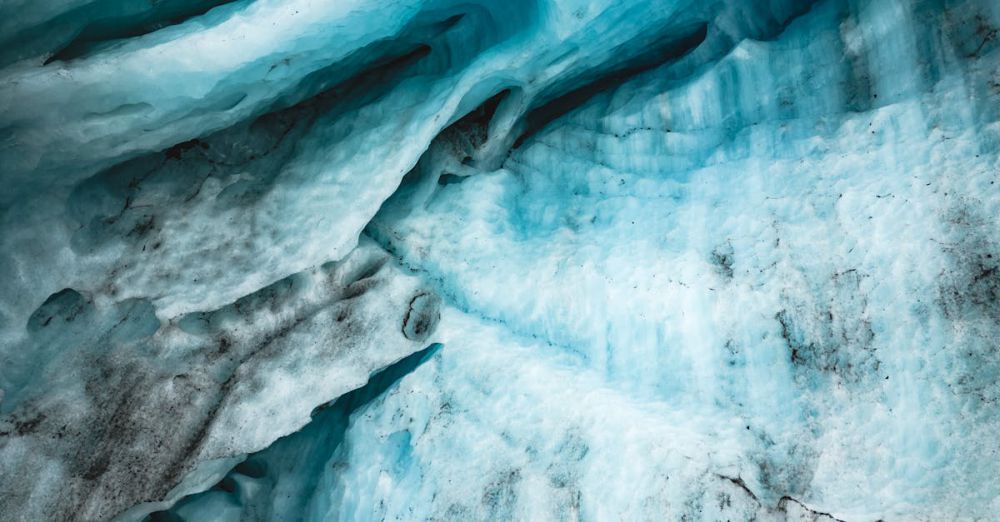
(527,260)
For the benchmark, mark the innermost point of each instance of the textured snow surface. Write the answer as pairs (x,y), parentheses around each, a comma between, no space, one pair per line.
(526,260)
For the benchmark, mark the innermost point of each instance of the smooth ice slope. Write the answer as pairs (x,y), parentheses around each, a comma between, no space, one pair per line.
(714,260)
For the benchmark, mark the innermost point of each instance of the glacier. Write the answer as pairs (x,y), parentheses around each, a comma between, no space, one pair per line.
(480,260)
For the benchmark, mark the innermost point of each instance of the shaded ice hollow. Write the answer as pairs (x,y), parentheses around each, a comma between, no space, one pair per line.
(527,260)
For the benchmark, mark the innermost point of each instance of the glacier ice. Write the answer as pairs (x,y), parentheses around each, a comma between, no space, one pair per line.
(478,260)
(150,409)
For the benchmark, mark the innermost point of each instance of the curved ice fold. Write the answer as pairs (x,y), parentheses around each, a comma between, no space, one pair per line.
(132,406)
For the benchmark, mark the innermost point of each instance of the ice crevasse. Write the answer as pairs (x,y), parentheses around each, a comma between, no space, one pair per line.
(525,260)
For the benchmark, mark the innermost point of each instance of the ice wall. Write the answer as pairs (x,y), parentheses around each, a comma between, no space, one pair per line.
(692,260)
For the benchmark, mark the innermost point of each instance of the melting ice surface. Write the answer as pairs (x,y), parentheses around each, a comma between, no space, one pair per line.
(524,260)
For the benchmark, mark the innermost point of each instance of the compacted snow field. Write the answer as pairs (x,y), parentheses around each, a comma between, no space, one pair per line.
(316,260)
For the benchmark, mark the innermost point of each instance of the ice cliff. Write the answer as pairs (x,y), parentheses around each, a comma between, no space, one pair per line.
(499,260)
